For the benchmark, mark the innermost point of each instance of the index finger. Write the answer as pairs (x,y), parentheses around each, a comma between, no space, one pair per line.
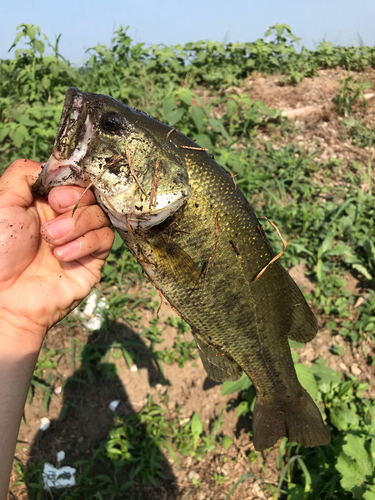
(16,183)
(64,198)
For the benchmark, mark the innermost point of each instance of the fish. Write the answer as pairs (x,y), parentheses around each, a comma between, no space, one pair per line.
(201,245)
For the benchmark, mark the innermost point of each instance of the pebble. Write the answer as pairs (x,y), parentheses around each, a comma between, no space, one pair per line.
(193,475)
(44,423)
(343,367)
(355,370)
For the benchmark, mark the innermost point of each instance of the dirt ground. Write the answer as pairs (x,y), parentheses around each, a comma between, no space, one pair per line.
(90,419)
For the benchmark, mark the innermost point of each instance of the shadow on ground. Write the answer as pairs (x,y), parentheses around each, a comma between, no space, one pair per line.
(85,423)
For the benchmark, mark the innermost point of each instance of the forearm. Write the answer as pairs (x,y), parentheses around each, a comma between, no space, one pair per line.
(19,349)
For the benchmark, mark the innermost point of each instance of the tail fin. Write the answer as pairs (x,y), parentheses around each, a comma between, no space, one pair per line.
(299,421)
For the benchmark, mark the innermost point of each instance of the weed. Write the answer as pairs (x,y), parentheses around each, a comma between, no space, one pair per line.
(349,93)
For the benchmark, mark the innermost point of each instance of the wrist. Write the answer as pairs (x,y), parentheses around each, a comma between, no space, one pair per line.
(20,333)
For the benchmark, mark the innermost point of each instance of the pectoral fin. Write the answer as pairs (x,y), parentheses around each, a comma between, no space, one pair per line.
(176,262)
(219,366)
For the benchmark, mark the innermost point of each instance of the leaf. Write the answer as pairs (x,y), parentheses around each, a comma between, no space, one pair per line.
(342,417)
(185,95)
(338,350)
(204,141)
(196,428)
(46,82)
(170,113)
(361,269)
(18,37)
(30,32)
(226,442)
(324,373)
(19,136)
(118,243)
(326,245)
(231,107)
(350,472)
(198,115)
(239,385)
(242,408)
(3,133)
(354,463)
(39,46)
(218,127)
(175,116)
(307,380)
(355,448)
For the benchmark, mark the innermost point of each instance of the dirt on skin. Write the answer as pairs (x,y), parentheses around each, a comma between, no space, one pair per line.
(88,419)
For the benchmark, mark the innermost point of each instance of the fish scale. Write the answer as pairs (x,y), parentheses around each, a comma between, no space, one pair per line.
(203,248)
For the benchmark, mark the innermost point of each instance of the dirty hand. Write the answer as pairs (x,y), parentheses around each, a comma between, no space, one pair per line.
(43,278)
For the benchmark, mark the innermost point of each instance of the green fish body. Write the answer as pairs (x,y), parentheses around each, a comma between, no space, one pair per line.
(200,243)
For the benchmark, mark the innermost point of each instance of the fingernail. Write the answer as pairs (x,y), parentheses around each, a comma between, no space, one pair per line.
(66,197)
(59,228)
(66,250)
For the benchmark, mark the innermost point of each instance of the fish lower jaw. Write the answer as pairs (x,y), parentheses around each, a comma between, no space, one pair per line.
(142,221)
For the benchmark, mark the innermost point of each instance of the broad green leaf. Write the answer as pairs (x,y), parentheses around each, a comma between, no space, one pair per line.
(19,136)
(351,472)
(239,385)
(218,127)
(46,82)
(324,373)
(231,107)
(204,141)
(198,116)
(338,350)
(118,243)
(307,380)
(185,95)
(31,32)
(355,448)
(4,131)
(39,46)
(295,357)
(343,417)
(242,408)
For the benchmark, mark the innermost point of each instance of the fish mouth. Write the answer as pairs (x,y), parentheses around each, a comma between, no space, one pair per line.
(63,166)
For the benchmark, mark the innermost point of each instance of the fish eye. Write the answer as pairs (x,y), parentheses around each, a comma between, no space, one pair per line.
(111,122)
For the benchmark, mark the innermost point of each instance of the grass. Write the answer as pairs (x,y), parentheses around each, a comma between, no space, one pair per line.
(325,211)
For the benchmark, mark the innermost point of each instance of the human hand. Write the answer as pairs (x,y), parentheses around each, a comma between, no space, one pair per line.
(43,278)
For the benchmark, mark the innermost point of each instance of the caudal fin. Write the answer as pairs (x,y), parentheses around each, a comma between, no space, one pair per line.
(299,421)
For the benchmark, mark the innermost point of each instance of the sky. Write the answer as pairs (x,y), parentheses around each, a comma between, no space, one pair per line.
(84,24)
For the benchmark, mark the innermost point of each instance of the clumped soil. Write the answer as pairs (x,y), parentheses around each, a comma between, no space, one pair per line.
(88,420)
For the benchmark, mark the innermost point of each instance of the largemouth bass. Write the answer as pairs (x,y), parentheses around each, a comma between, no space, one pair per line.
(200,243)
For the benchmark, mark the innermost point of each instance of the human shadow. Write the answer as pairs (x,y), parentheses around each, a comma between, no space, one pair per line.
(85,423)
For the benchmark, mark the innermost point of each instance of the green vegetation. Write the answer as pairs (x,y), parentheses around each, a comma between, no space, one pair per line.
(325,211)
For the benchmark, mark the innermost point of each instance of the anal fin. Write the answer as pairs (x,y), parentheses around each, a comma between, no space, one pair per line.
(219,366)
(304,325)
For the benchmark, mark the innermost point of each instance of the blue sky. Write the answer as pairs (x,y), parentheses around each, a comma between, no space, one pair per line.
(85,23)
